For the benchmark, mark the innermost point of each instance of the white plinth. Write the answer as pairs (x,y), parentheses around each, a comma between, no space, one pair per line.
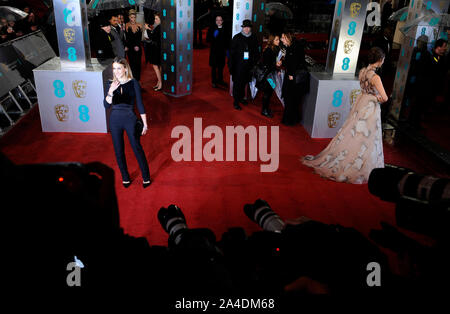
(71,100)
(328,103)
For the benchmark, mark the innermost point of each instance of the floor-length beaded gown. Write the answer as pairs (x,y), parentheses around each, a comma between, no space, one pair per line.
(357,148)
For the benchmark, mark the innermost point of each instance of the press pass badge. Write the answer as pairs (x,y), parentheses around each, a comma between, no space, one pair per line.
(246,56)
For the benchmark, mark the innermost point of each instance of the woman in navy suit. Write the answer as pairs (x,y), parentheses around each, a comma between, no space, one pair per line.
(124,91)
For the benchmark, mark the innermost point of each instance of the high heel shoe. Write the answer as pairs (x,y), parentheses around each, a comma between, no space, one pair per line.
(146,184)
(267,113)
(126,184)
(157,89)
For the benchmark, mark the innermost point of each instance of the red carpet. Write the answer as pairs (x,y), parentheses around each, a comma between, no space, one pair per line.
(211,194)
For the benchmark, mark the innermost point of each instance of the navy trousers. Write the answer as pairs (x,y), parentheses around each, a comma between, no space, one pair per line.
(120,120)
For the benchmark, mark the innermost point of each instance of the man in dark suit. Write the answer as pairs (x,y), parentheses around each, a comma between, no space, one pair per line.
(244,55)
(219,39)
(439,68)
(119,37)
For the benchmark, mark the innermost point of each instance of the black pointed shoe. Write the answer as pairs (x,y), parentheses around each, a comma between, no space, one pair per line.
(126,184)
(146,184)
(267,113)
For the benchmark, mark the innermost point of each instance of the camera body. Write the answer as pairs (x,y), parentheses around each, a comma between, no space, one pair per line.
(54,212)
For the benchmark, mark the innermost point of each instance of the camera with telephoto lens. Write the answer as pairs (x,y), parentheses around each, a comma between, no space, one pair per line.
(261,213)
(392,182)
(422,202)
(173,222)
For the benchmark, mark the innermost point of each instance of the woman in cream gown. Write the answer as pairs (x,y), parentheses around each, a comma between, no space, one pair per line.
(357,148)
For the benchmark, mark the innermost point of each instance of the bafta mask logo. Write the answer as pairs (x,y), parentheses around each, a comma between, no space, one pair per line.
(353,95)
(79,88)
(333,118)
(348,46)
(189,13)
(69,35)
(62,113)
(355,9)
(238,4)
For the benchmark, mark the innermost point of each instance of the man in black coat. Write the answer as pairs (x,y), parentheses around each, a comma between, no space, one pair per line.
(219,39)
(102,41)
(244,55)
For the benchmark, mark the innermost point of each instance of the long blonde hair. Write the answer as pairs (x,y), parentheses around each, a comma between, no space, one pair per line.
(125,64)
(289,36)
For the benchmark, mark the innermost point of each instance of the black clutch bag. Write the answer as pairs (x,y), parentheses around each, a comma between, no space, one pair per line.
(138,128)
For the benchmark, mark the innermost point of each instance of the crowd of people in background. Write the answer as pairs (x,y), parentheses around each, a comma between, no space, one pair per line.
(126,38)
(120,35)
(11,29)
(117,33)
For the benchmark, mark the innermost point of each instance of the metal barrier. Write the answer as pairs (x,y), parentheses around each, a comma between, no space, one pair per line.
(18,58)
